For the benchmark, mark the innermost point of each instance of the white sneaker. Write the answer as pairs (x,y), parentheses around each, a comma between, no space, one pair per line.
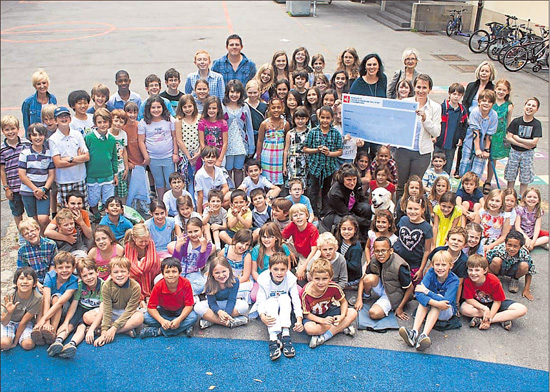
(316,340)
(204,324)
(350,330)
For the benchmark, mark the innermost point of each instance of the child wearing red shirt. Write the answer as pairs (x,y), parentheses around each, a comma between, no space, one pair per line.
(304,235)
(382,179)
(170,307)
(486,302)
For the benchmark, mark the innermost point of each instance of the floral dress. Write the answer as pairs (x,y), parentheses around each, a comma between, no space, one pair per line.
(296,164)
(272,152)
(498,149)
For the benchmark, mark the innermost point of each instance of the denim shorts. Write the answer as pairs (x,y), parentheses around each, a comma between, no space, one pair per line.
(35,207)
(331,312)
(16,205)
(100,192)
(234,162)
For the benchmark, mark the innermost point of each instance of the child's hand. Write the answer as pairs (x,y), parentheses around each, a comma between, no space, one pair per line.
(359,304)
(443,305)
(143,304)
(418,275)
(180,240)
(243,211)
(301,273)
(347,138)
(268,320)
(110,335)
(203,241)
(329,320)
(125,174)
(399,312)
(166,324)
(90,336)
(222,314)
(9,305)
(527,294)
(486,314)
(9,194)
(337,320)
(40,287)
(420,288)
(131,166)
(100,341)
(175,324)
(218,162)
(115,180)
(298,326)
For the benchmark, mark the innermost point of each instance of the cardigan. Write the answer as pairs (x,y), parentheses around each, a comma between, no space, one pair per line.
(429,128)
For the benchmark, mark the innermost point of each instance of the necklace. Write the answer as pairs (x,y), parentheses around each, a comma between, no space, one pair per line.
(375,88)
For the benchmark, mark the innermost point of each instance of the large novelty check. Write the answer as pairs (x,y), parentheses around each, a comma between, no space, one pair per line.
(379,120)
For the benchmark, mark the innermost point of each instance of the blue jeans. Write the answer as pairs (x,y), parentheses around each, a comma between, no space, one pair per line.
(191,180)
(161,170)
(189,321)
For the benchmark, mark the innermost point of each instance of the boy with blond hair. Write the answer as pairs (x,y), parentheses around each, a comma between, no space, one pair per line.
(48,118)
(215,80)
(327,248)
(9,165)
(323,319)
(66,227)
(304,236)
(121,295)
(100,95)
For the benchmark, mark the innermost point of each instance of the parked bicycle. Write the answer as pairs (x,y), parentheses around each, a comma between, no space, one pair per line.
(517,34)
(454,26)
(480,39)
(517,57)
(529,38)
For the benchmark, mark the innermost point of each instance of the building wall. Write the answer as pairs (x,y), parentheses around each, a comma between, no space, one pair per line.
(536,10)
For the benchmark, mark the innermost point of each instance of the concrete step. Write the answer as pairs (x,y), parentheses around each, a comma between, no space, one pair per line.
(391,21)
(405,15)
(406,6)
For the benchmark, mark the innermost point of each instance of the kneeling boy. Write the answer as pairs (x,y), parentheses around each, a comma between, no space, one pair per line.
(170,307)
(323,319)
(277,294)
(121,295)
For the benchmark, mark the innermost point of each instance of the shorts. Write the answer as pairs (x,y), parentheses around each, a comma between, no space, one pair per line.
(161,170)
(35,207)
(230,233)
(64,189)
(383,301)
(446,314)
(121,189)
(65,307)
(202,307)
(470,205)
(10,330)
(331,312)
(78,317)
(100,192)
(234,162)
(16,205)
(522,162)
(504,305)
(116,314)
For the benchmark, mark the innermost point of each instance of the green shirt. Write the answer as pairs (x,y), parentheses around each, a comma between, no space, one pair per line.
(103,163)
(89,299)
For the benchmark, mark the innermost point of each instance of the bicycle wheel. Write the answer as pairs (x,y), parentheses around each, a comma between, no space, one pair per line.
(494,47)
(479,41)
(515,58)
(450,28)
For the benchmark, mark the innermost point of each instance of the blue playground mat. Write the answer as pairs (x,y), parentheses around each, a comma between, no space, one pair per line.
(182,364)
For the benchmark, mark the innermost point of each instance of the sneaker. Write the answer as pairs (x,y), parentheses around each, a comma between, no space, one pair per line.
(274,349)
(149,332)
(350,330)
(408,335)
(204,324)
(423,342)
(238,321)
(352,300)
(366,295)
(49,336)
(189,332)
(288,348)
(55,348)
(513,287)
(69,351)
(316,340)
(37,338)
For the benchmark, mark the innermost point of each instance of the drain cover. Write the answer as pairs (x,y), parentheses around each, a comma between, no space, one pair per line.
(449,57)
(465,68)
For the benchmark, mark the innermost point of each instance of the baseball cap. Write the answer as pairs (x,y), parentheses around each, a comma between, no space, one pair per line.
(61,110)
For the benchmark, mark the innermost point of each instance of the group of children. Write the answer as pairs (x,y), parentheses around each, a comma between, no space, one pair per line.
(229,237)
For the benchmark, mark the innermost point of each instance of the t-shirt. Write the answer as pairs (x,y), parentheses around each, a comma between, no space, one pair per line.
(260,218)
(31,305)
(256,252)
(490,291)
(37,166)
(445,223)
(51,281)
(247,215)
(492,225)
(460,268)
(158,138)
(303,240)
(161,296)
(303,200)
(319,305)
(215,219)
(410,240)
(249,185)
(174,99)
(135,157)
(527,220)
(161,236)
(170,201)
(474,197)
(121,142)
(89,299)
(373,185)
(82,126)
(204,183)
(525,130)
(68,146)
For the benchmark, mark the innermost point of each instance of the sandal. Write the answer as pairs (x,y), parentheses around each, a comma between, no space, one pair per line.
(513,287)
(507,325)
(49,336)
(486,188)
(37,338)
(475,322)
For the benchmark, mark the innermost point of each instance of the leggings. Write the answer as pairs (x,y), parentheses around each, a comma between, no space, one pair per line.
(161,170)
(409,163)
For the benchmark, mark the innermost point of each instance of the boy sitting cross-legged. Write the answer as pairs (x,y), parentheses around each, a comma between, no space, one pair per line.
(170,307)
(277,295)
(485,299)
(121,295)
(59,287)
(323,320)
(84,314)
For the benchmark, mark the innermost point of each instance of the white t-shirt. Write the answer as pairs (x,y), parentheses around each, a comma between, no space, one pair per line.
(67,146)
(263,183)
(121,143)
(158,138)
(170,201)
(82,126)
(204,183)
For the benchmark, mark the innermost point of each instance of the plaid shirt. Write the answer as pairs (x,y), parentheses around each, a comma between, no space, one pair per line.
(9,158)
(391,165)
(39,257)
(245,71)
(216,85)
(320,165)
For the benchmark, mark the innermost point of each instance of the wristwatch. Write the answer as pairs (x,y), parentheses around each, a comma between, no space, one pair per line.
(71,159)
(6,187)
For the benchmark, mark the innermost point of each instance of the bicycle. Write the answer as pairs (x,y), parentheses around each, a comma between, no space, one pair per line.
(515,35)
(529,38)
(517,57)
(480,39)
(454,26)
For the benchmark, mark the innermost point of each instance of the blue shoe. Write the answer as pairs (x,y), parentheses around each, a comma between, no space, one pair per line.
(149,332)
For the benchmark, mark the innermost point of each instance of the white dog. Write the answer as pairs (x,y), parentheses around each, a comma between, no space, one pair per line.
(381,200)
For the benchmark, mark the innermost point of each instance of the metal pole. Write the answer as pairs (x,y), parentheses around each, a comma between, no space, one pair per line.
(478,14)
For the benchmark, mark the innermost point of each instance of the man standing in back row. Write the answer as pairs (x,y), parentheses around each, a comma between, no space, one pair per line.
(234,65)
